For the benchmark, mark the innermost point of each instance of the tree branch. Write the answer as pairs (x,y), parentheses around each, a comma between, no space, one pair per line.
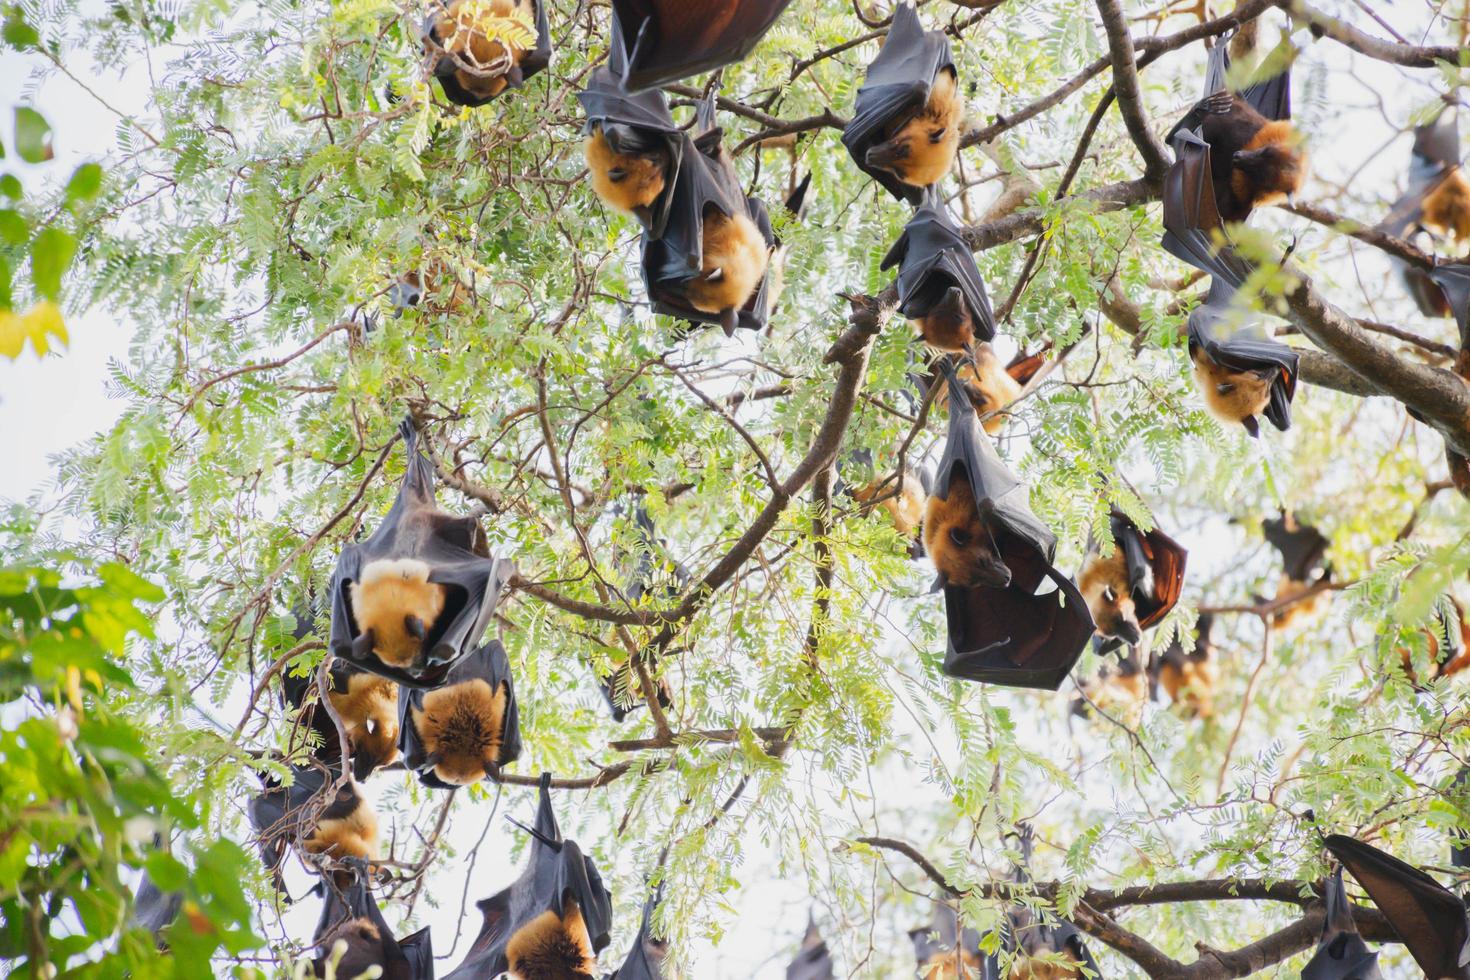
(1125,87)
(1408,55)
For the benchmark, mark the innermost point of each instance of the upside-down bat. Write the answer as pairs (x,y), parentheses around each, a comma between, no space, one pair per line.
(350,916)
(994,556)
(939,286)
(1341,953)
(1190,675)
(813,961)
(646,959)
(466,729)
(1136,586)
(1304,567)
(1255,154)
(655,574)
(1121,686)
(409,290)
(710,265)
(633,146)
(1452,279)
(945,952)
(415,597)
(479,48)
(1437,201)
(344,825)
(1448,642)
(906,126)
(154,909)
(991,385)
(903,499)
(1429,918)
(552,921)
(368,706)
(666,40)
(1046,947)
(1241,372)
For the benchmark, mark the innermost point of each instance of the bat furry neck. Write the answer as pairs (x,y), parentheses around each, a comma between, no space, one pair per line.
(388,569)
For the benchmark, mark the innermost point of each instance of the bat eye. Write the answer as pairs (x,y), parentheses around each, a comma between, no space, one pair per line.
(959,536)
(938,135)
(1224,389)
(616,175)
(372,726)
(1109,595)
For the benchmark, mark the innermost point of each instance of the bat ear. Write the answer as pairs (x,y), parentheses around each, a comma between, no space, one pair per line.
(362,647)
(415,627)
(515,76)
(729,320)
(1252,426)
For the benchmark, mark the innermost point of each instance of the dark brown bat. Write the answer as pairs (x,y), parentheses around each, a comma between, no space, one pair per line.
(1046,947)
(1304,567)
(813,961)
(666,40)
(939,286)
(945,952)
(1341,953)
(350,916)
(315,814)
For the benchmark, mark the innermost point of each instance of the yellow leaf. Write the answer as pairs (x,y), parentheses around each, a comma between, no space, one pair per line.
(42,322)
(12,335)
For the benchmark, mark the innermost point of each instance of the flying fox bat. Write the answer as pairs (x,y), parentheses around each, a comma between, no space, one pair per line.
(939,285)
(993,556)
(313,816)
(1046,946)
(710,264)
(813,961)
(1304,566)
(467,729)
(663,41)
(350,916)
(1448,642)
(1190,676)
(1428,917)
(415,597)
(991,385)
(910,113)
(1255,153)
(1437,202)
(646,959)
(154,909)
(475,47)
(1136,586)
(368,706)
(552,921)
(633,146)
(1341,953)
(945,952)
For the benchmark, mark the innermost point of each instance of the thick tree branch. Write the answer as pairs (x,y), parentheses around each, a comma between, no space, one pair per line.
(1408,55)
(1126,88)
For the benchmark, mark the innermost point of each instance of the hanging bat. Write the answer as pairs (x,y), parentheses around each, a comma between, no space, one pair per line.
(1256,155)
(368,706)
(413,288)
(552,921)
(479,48)
(155,910)
(813,961)
(993,555)
(1136,586)
(939,286)
(1341,953)
(633,146)
(1190,676)
(1121,686)
(1448,642)
(1452,279)
(1429,918)
(1046,947)
(311,815)
(710,265)
(655,574)
(350,916)
(666,40)
(1304,567)
(467,729)
(944,952)
(1240,371)
(991,385)
(646,959)
(902,498)
(415,597)
(910,113)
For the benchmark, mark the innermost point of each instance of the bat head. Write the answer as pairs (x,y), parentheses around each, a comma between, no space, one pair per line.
(395,604)
(735,256)
(626,181)
(1271,167)
(948,325)
(1231,396)
(1104,584)
(348,827)
(462,728)
(922,149)
(958,538)
(369,710)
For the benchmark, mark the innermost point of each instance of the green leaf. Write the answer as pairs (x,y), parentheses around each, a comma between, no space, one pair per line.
(10,186)
(13,228)
(18,34)
(85,182)
(32,135)
(51,253)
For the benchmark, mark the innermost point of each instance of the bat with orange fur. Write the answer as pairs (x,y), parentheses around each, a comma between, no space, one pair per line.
(1304,568)
(315,814)
(1045,946)
(479,48)
(1135,587)
(944,951)
(466,729)
(1447,645)
(1190,676)
(940,290)
(990,385)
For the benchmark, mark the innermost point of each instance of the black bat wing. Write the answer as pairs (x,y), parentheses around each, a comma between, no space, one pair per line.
(1453,278)
(813,961)
(453,548)
(1429,918)
(418,953)
(1302,550)
(896,88)
(1341,954)
(932,257)
(666,40)
(1018,636)
(481,962)
(645,960)
(538,58)
(1193,230)
(154,909)
(1271,96)
(1155,568)
(1213,328)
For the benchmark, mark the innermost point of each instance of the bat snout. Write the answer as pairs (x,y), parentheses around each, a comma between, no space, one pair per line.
(1128,632)
(886,156)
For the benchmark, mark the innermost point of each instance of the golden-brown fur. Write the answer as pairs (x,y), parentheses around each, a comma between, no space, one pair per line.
(1438,665)
(624,181)
(369,710)
(948,326)
(425,289)
(388,593)
(552,948)
(463,725)
(905,508)
(1191,685)
(946,966)
(735,258)
(1447,208)
(1104,584)
(1270,168)
(1231,396)
(959,543)
(462,32)
(355,835)
(989,385)
(923,149)
(1307,610)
